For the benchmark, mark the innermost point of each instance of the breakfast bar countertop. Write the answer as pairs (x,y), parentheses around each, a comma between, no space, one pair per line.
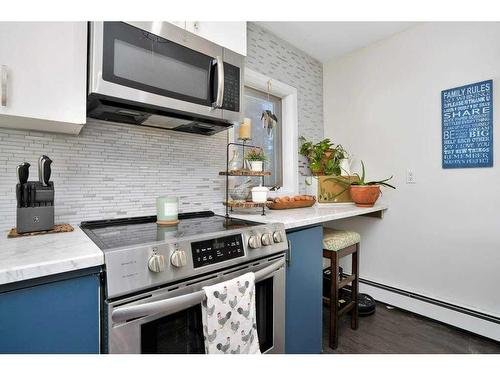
(30,257)
(301,217)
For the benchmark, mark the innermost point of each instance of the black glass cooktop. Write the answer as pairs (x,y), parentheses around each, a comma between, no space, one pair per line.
(109,234)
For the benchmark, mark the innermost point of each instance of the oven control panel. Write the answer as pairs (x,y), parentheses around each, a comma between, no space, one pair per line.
(217,250)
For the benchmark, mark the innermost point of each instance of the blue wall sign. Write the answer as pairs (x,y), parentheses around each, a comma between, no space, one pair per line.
(467,126)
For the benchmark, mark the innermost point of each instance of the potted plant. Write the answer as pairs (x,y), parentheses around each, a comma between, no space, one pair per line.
(364,193)
(256,158)
(324,157)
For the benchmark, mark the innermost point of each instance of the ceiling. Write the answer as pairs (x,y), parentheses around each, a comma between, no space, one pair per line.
(327,41)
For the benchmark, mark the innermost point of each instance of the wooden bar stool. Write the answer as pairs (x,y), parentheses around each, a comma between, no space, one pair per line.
(336,245)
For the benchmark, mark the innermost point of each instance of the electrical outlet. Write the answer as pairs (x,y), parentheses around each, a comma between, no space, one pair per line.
(410,177)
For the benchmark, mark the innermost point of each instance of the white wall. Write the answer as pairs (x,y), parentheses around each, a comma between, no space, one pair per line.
(441,236)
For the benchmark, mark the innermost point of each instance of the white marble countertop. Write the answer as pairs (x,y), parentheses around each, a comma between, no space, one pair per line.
(300,217)
(24,258)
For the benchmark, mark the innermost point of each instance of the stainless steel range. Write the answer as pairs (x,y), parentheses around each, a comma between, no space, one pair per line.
(155,276)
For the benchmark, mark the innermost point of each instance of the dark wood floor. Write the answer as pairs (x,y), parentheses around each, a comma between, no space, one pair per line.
(401,332)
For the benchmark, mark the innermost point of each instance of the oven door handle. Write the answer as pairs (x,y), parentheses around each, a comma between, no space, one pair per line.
(175,304)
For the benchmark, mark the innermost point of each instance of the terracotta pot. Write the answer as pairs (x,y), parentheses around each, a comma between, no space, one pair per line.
(365,196)
(328,154)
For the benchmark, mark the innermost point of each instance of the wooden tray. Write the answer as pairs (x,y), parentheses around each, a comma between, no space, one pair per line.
(58,228)
(290,204)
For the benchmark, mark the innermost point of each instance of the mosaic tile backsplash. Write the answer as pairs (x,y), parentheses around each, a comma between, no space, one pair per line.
(275,58)
(113,170)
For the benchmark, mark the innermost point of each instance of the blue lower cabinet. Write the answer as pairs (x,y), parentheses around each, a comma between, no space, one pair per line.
(57,317)
(304,292)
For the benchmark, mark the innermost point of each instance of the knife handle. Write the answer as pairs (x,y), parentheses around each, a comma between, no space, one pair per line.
(46,171)
(23,172)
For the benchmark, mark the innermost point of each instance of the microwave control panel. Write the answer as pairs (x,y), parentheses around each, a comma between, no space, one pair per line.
(217,250)
(231,99)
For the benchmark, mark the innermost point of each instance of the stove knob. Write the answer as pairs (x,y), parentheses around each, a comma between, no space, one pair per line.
(156,263)
(278,236)
(178,258)
(254,242)
(267,239)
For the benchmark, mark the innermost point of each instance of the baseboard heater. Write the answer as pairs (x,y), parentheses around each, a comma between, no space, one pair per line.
(460,309)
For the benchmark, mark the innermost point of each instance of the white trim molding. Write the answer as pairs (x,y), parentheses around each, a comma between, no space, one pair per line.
(440,313)
(289,131)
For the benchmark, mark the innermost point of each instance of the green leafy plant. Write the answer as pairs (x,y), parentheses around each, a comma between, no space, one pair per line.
(324,157)
(361,179)
(256,154)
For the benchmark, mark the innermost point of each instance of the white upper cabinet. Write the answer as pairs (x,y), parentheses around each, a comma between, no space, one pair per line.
(232,35)
(43,68)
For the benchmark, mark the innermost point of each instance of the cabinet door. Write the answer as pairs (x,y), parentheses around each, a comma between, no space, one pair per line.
(303,314)
(232,35)
(58,317)
(45,65)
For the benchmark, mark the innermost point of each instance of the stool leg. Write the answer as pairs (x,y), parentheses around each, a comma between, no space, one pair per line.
(334,301)
(355,287)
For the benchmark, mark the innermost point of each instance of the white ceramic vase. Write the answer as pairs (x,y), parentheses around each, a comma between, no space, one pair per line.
(345,167)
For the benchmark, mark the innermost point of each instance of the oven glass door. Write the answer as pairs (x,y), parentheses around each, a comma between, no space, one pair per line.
(141,60)
(182,332)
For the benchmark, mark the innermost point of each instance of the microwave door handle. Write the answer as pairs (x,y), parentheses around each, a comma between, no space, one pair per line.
(220,82)
(175,304)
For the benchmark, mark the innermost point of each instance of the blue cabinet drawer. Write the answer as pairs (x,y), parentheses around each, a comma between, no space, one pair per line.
(57,317)
(304,292)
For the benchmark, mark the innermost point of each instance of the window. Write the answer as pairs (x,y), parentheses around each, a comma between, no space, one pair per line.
(281,147)
(255,102)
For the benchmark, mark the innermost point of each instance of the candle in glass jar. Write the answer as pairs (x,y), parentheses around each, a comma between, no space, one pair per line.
(167,209)
(245,129)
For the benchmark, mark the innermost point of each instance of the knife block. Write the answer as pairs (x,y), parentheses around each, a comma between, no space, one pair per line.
(39,216)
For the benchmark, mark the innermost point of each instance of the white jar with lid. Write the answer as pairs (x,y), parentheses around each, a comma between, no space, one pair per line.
(259,194)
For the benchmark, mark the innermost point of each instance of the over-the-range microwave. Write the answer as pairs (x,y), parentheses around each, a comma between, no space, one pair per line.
(159,75)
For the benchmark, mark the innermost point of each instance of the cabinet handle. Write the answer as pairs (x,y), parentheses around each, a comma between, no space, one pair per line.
(289,253)
(3,95)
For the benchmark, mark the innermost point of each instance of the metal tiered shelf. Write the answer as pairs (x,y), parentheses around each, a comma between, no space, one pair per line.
(243,172)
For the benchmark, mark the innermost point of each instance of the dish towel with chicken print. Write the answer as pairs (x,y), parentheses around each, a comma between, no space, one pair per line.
(228,313)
